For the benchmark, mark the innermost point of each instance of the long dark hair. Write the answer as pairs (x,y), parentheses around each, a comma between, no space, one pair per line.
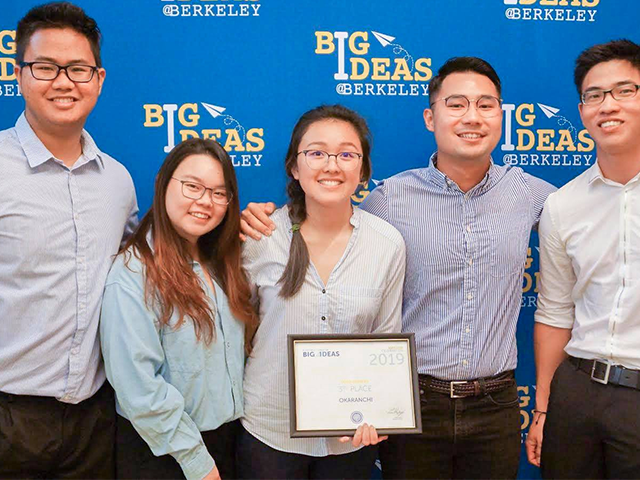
(171,284)
(294,273)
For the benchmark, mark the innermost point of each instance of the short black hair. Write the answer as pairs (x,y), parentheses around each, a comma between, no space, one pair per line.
(604,52)
(57,15)
(460,65)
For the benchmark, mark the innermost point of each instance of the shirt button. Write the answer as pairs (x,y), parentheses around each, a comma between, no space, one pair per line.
(467,330)
(323,317)
(470,296)
(324,291)
(465,363)
(468,228)
(471,261)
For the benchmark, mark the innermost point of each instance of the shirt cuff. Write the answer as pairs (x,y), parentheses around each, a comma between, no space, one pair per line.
(555,321)
(199,466)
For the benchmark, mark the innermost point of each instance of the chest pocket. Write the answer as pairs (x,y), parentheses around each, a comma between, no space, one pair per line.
(184,353)
(358,308)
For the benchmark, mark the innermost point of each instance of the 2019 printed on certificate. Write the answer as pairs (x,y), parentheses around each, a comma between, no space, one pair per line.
(242,71)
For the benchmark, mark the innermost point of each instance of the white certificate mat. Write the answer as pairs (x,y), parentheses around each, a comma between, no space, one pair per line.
(338,382)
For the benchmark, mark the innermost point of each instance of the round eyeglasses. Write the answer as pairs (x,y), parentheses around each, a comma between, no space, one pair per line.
(195,191)
(458,105)
(620,92)
(50,71)
(317,159)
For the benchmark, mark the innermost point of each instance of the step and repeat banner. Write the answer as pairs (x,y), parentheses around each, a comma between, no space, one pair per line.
(243,71)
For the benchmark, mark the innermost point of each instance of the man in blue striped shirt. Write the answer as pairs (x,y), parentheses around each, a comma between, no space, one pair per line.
(466,223)
(64,209)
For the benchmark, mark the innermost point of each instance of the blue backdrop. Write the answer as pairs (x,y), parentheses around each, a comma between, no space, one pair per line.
(242,71)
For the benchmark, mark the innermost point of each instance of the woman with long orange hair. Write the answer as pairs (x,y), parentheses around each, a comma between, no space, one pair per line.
(175,313)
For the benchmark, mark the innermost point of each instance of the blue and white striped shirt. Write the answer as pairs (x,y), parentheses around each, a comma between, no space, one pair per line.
(59,228)
(465,260)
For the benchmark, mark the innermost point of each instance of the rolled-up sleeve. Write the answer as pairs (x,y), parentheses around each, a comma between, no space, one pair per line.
(557,278)
(133,357)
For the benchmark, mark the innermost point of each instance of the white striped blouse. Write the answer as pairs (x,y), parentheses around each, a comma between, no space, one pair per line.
(363,295)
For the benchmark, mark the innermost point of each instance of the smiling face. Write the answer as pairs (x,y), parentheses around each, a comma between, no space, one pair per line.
(60,106)
(194,218)
(330,185)
(613,124)
(470,137)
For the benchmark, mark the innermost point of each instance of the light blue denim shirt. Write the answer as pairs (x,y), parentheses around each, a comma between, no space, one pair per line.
(168,384)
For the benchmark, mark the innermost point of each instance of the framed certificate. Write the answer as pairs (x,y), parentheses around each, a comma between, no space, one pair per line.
(337,382)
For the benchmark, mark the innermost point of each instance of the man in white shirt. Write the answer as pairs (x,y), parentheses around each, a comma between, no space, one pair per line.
(587,332)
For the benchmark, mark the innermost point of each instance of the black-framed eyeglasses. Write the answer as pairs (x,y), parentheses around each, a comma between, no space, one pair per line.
(195,191)
(619,92)
(458,105)
(50,71)
(317,159)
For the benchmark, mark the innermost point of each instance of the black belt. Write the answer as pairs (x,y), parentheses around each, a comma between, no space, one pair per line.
(607,374)
(103,392)
(468,388)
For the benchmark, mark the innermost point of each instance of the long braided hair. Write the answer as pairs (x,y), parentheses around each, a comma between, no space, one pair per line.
(296,269)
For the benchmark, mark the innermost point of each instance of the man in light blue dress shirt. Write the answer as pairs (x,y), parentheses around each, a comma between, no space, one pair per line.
(65,207)
(466,224)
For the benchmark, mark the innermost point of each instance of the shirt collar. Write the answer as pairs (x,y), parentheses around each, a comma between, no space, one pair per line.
(37,153)
(354,220)
(436,176)
(594,173)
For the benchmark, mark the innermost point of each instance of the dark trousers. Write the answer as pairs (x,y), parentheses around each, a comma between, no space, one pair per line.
(134,458)
(41,437)
(472,437)
(259,461)
(591,430)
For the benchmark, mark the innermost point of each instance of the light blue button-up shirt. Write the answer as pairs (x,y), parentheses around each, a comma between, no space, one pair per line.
(465,259)
(168,384)
(59,229)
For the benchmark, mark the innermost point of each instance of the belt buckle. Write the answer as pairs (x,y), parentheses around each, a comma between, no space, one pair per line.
(451,385)
(605,379)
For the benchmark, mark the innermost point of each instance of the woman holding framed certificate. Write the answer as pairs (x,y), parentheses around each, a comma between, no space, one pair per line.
(175,308)
(328,268)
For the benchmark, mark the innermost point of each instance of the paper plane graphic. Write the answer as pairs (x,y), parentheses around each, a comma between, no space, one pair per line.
(548,111)
(213,110)
(383,39)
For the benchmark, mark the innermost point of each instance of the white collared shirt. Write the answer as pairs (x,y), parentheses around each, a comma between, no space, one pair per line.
(590,267)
